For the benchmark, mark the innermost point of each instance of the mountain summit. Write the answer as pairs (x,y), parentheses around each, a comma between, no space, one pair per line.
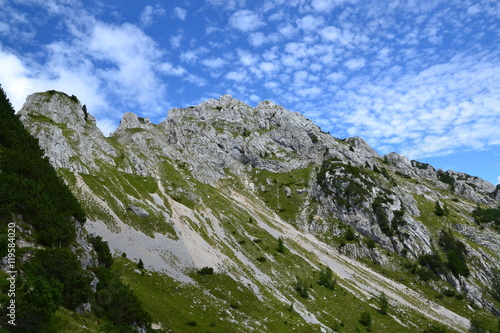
(278,210)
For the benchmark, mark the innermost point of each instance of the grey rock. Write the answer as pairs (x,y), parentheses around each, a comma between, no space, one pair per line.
(141,212)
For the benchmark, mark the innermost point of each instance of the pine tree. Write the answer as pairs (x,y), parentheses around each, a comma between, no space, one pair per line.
(438,209)
(281,246)
(383,302)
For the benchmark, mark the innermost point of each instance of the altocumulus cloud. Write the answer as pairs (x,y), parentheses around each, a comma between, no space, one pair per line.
(418,78)
(245,20)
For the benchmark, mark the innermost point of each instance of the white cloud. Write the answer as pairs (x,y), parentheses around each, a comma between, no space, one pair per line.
(336,77)
(245,20)
(180,13)
(355,64)
(257,39)
(287,30)
(169,69)
(310,22)
(214,63)
(323,5)
(15,73)
(256,98)
(176,40)
(237,76)
(227,4)
(268,67)
(309,92)
(498,180)
(149,13)
(331,33)
(247,58)
(106,125)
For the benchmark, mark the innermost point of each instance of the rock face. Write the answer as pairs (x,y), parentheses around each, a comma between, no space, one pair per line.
(70,137)
(320,185)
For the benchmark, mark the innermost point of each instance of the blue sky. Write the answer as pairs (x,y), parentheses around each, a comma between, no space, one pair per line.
(421,78)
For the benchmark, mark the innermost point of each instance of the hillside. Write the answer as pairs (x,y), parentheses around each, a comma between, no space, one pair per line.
(253,219)
(54,277)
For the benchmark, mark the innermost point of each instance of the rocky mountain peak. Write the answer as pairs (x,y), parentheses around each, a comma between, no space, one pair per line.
(58,107)
(131,120)
(66,130)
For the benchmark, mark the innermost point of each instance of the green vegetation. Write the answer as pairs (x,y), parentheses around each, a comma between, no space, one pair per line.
(365,319)
(383,303)
(455,253)
(301,287)
(280,190)
(447,178)
(206,271)
(381,215)
(104,256)
(281,246)
(326,278)
(314,137)
(358,180)
(441,211)
(432,262)
(495,286)
(487,215)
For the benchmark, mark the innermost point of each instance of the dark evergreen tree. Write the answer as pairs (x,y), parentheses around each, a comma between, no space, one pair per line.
(281,246)
(438,210)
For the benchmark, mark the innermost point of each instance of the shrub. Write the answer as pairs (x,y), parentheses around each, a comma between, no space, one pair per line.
(449,292)
(433,262)
(446,178)
(206,271)
(495,285)
(102,249)
(435,329)
(281,246)
(455,253)
(371,243)
(302,287)
(438,210)
(365,319)
(326,278)
(140,264)
(261,259)
(117,302)
(381,215)
(192,323)
(74,99)
(314,138)
(477,326)
(62,266)
(404,175)
(383,302)
(86,114)
(424,273)
(349,235)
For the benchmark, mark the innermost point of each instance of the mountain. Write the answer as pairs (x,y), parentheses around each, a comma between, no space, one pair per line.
(253,219)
